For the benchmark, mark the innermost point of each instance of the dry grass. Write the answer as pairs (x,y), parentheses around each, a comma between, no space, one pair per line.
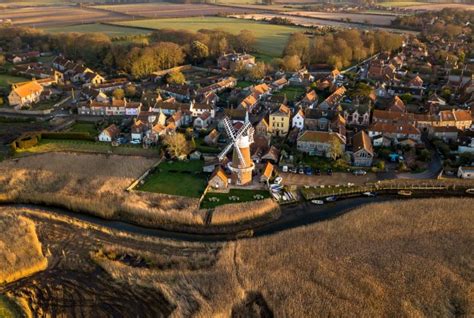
(20,249)
(406,259)
(240,212)
(96,184)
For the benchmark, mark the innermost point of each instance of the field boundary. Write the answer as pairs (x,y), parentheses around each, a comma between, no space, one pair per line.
(134,184)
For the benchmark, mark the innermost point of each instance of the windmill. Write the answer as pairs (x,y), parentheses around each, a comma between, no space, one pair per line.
(241,164)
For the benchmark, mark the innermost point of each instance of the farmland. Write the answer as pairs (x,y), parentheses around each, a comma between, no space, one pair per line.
(270,38)
(376,19)
(58,15)
(416,5)
(171,10)
(111,30)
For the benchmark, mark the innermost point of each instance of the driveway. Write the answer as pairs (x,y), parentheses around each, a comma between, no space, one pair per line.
(336,178)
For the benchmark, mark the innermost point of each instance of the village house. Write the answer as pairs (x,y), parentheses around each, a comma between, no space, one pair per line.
(108,85)
(267,173)
(362,150)
(109,134)
(273,101)
(298,120)
(182,93)
(231,60)
(301,78)
(25,94)
(218,179)
(279,121)
(279,83)
(248,103)
(24,57)
(459,118)
(446,133)
(310,100)
(203,121)
(138,130)
(397,105)
(212,138)
(198,109)
(357,114)
(333,100)
(319,143)
(262,128)
(395,131)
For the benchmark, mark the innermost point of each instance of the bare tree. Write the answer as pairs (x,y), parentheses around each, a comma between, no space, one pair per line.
(177,145)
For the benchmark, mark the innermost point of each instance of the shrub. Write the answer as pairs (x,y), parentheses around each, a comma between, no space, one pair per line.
(68,135)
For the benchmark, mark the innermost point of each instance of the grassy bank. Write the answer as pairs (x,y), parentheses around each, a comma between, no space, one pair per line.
(214,199)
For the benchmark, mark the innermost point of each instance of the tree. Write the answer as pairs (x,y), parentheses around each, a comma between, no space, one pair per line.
(118,93)
(257,72)
(176,78)
(176,145)
(130,91)
(406,98)
(245,41)
(168,55)
(335,149)
(199,51)
(298,44)
(291,63)
(2,59)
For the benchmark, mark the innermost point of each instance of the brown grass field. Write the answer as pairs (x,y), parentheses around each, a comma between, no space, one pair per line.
(172,10)
(57,15)
(410,258)
(96,184)
(20,250)
(353,17)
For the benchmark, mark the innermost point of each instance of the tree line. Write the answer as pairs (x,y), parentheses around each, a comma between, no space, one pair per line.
(339,49)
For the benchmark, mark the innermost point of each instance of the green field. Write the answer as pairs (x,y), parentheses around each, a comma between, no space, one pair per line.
(271,39)
(8,80)
(111,30)
(183,178)
(292,92)
(243,195)
(85,127)
(52,145)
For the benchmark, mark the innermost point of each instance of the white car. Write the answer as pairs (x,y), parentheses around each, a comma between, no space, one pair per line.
(278,180)
(135,142)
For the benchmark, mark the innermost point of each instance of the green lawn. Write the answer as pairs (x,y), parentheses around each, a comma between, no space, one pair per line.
(52,145)
(85,127)
(292,92)
(8,309)
(244,84)
(183,178)
(111,30)
(7,80)
(204,148)
(224,198)
(270,38)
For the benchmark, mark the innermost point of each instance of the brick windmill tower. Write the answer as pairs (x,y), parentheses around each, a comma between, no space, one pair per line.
(241,165)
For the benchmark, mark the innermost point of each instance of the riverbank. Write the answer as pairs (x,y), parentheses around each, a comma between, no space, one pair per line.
(364,255)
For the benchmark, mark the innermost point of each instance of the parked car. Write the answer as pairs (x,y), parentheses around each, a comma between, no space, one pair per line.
(329,172)
(293,170)
(135,142)
(301,171)
(359,172)
(284,169)
(318,172)
(278,180)
(308,171)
